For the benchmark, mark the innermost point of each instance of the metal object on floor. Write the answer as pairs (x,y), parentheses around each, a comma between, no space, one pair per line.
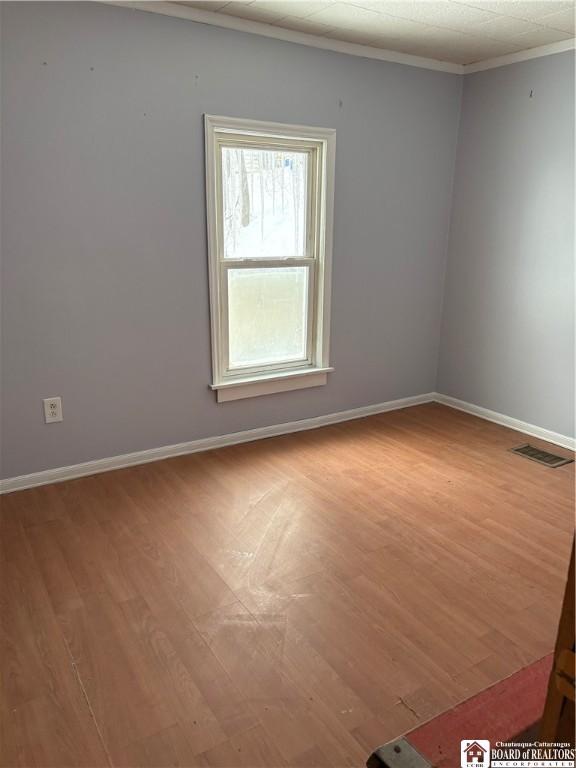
(542,457)
(397,754)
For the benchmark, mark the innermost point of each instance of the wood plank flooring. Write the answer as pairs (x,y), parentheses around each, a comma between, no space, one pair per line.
(291,602)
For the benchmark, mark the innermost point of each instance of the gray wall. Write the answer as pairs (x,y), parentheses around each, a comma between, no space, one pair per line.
(508,325)
(105,298)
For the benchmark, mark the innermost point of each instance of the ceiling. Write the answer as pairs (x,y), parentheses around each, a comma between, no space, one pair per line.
(446,30)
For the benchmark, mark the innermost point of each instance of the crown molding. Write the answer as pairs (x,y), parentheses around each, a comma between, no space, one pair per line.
(289,35)
(339,46)
(514,58)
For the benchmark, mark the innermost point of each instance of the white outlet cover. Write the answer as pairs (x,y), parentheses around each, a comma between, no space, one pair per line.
(52,409)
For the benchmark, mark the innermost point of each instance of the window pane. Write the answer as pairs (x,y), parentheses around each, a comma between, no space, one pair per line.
(267,315)
(264,195)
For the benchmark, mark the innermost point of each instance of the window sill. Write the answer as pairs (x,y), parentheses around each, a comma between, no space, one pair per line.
(237,389)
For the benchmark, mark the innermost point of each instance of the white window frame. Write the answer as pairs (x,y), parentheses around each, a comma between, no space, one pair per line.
(228,383)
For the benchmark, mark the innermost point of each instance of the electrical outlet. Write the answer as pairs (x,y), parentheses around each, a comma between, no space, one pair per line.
(52,409)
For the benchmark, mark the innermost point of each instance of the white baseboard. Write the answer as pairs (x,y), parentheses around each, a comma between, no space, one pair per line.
(209,443)
(507,421)
(205,444)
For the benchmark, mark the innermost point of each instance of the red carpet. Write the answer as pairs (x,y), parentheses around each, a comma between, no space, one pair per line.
(499,713)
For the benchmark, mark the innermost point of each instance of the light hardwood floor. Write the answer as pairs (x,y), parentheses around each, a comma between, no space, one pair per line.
(291,602)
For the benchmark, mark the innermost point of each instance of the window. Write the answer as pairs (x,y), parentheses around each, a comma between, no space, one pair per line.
(269,201)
